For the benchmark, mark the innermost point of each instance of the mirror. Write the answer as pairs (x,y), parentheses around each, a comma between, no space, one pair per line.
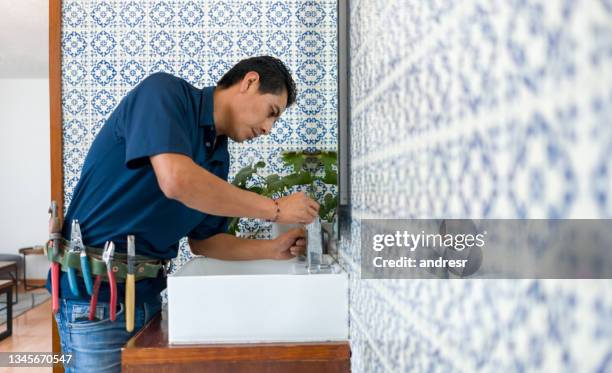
(100,50)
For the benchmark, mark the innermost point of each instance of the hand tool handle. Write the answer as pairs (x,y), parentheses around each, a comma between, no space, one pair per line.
(113,294)
(55,229)
(94,298)
(129,302)
(86,274)
(55,269)
(72,281)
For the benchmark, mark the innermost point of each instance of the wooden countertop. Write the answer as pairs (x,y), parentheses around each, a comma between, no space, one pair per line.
(149,351)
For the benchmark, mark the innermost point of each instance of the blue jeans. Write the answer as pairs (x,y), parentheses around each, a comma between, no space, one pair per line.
(96,345)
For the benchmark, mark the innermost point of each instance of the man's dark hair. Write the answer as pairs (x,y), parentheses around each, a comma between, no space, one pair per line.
(273,76)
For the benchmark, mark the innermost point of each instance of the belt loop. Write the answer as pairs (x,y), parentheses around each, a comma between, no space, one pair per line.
(145,307)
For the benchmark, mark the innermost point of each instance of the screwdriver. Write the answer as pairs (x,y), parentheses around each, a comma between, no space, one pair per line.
(129,285)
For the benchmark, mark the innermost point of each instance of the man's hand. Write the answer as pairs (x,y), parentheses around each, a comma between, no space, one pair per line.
(181,179)
(297,208)
(289,244)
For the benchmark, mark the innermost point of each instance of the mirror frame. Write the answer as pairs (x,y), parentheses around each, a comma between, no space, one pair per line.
(344,120)
(56,135)
(55,122)
(55,103)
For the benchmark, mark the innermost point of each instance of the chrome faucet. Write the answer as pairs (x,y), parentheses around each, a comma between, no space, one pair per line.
(314,248)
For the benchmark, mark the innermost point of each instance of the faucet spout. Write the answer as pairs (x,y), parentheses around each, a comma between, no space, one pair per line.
(314,248)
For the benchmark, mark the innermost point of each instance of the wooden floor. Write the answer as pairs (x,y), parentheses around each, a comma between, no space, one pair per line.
(31,333)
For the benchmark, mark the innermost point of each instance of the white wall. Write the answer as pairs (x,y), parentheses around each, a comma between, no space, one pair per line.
(24,166)
(24,39)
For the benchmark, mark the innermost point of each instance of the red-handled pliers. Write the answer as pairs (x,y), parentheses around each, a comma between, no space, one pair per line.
(55,237)
(93,302)
(107,257)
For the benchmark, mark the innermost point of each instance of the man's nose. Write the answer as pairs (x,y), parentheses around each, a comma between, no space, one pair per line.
(266,128)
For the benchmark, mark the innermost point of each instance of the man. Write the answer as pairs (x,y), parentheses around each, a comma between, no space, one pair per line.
(158,170)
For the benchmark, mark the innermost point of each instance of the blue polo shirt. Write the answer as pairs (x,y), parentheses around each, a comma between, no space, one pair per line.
(118,194)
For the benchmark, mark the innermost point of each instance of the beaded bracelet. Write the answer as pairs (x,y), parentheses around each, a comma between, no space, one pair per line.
(277,211)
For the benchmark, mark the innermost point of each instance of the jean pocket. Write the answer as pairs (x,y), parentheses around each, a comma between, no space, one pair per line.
(78,318)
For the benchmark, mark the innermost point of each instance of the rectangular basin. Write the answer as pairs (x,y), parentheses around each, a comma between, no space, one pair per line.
(216,301)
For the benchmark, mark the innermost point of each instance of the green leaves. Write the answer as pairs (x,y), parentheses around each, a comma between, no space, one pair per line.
(233,225)
(327,210)
(330,177)
(294,159)
(306,166)
(246,173)
(299,178)
(328,159)
(274,185)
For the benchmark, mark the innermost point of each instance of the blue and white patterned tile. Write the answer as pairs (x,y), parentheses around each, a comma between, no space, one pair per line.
(110,46)
(479,109)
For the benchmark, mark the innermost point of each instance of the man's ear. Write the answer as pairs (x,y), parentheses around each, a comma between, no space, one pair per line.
(250,79)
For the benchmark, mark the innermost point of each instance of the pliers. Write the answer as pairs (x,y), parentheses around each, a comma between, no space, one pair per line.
(107,257)
(75,246)
(94,298)
(77,243)
(55,236)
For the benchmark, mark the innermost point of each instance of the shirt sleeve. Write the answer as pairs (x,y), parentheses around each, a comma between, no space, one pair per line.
(210,226)
(155,121)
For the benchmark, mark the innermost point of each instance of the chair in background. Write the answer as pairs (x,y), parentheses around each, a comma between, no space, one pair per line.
(26,251)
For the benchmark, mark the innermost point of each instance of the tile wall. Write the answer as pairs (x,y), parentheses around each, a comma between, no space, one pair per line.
(481,109)
(110,46)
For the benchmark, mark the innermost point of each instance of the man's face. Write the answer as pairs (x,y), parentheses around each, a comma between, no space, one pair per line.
(252,113)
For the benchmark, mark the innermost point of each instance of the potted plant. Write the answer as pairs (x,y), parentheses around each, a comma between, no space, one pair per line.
(308,169)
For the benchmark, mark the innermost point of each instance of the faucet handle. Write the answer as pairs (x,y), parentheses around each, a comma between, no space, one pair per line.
(314,248)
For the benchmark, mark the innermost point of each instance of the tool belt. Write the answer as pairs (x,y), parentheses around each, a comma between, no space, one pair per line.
(144,267)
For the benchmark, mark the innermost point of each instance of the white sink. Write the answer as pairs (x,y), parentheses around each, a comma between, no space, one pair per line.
(216,301)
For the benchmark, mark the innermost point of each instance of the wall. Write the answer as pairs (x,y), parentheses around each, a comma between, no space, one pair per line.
(482,109)
(25,190)
(24,119)
(24,39)
(109,46)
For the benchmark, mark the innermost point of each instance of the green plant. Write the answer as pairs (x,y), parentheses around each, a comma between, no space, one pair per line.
(307,169)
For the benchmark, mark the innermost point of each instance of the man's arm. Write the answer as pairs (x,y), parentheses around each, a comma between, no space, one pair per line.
(228,247)
(180,178)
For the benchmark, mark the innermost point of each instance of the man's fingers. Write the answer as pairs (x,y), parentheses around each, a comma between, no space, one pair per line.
(298,232)
(300,242)
(308,216)
(312,203)
(313,212)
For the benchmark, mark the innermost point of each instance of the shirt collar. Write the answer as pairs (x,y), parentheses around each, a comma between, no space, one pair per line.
(220,152)
(206,107)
